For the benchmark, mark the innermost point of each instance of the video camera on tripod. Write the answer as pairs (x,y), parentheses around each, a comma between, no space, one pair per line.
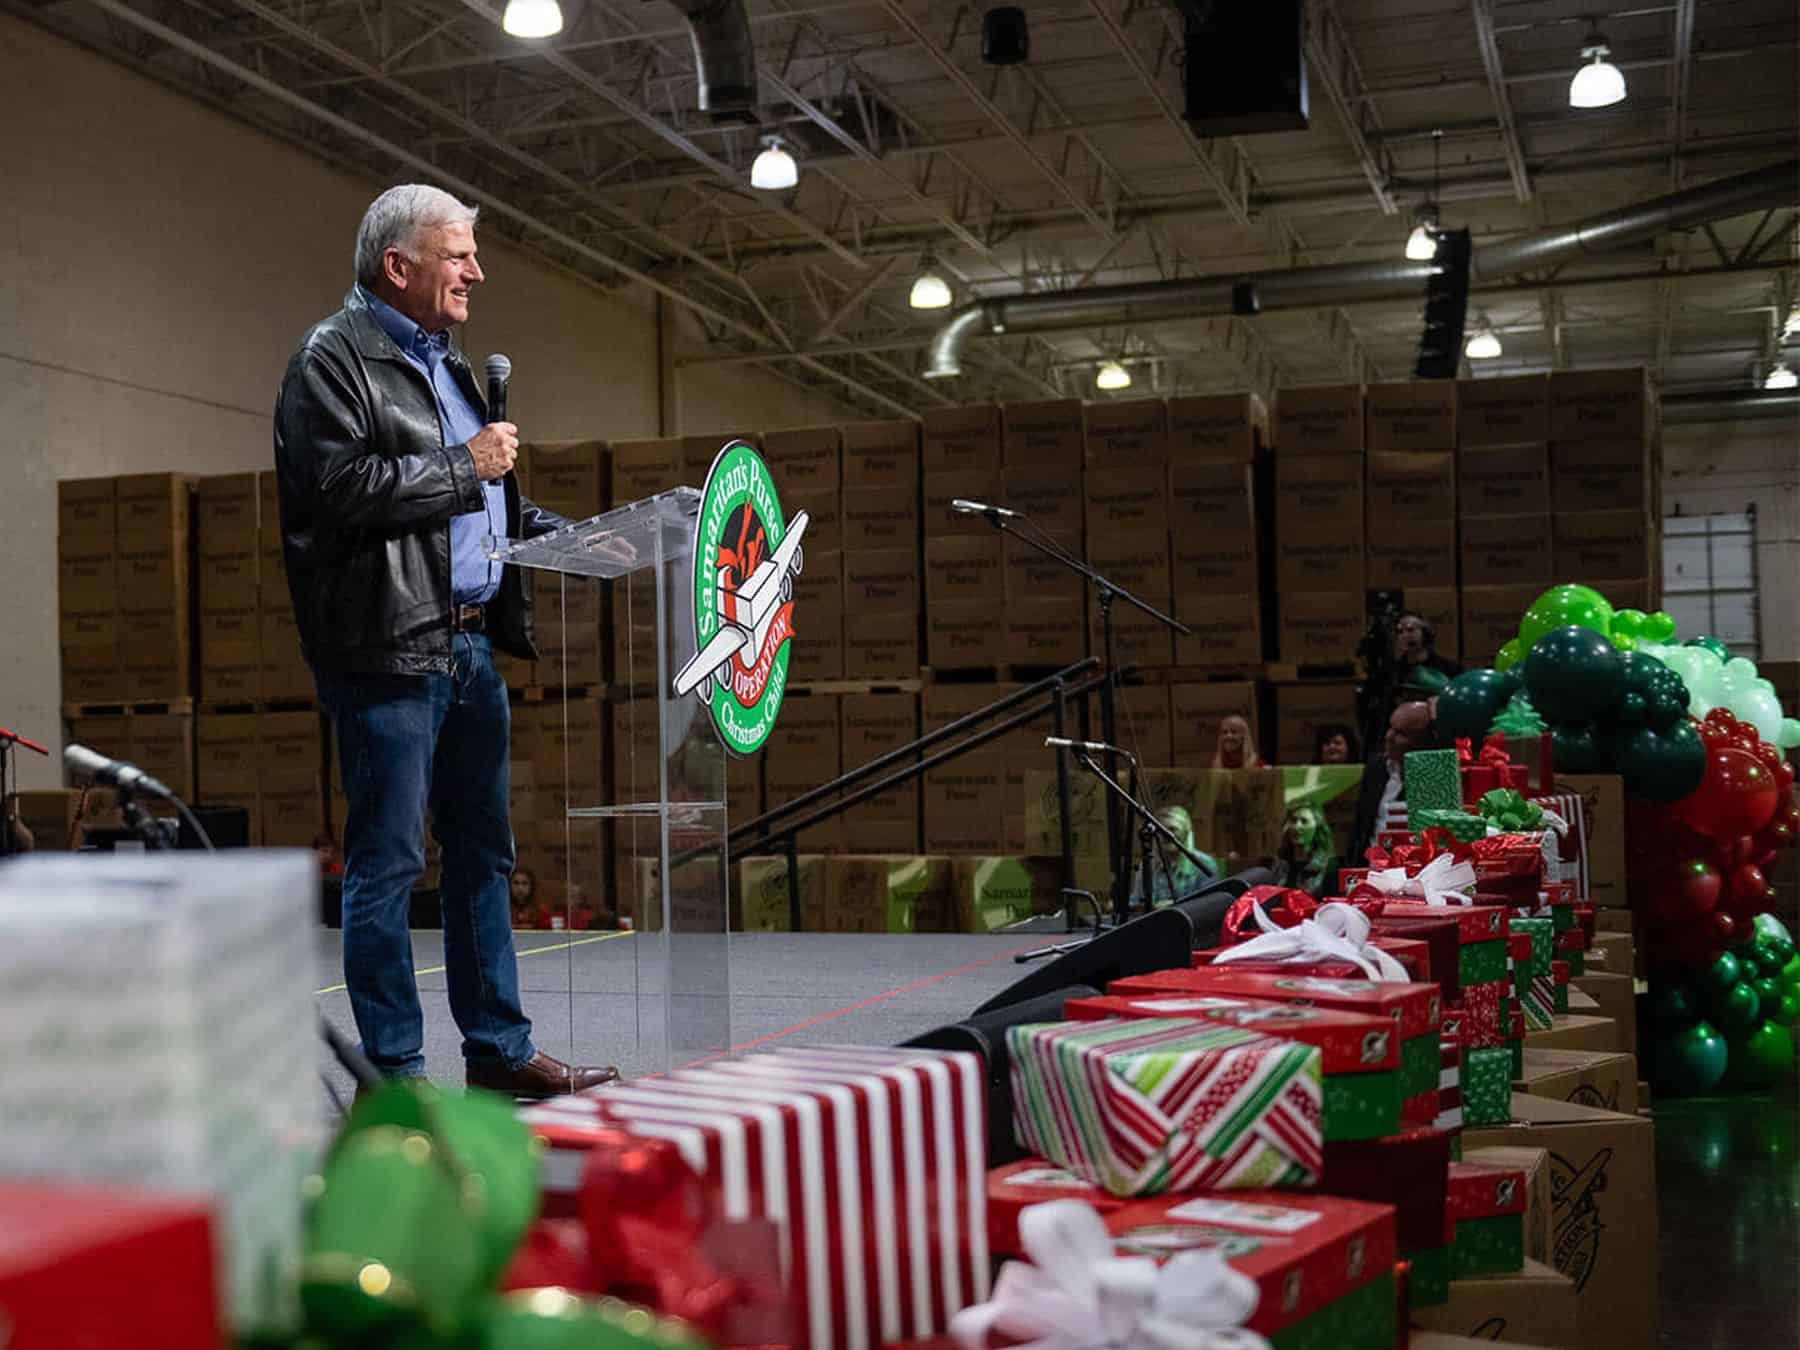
(1383,669)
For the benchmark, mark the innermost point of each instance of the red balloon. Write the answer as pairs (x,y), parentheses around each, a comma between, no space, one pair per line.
(1748,882)
(1687,892)
(1719,717)
(1779,835)
(1784,771)
(1722,927)
(1737,797)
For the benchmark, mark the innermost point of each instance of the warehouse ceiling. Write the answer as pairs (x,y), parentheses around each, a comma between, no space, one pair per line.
(1073,169)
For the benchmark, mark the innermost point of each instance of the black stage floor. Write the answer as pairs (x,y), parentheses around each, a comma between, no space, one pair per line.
(1727,1168)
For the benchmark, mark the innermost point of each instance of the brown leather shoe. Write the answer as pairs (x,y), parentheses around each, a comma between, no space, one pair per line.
(542,1076)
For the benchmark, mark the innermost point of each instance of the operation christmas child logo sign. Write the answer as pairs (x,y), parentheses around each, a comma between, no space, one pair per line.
(746,557)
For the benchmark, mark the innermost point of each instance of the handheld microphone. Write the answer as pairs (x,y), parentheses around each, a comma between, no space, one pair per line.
(1092,747)
(126,777)
(499,371)
(962,506)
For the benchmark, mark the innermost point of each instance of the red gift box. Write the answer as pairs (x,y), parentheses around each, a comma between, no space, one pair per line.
(1481,1191)
(1474,923)
(1450,1113)
(1485,770)
(1533,754)
(1569,940)
(1304,1251)
(1441,937)
(1328,970)
(1032,1181)
(1406,1170)
(106,1266)
(1483,1010)
(1419,1110)
(1347,1042)
(1414,1009)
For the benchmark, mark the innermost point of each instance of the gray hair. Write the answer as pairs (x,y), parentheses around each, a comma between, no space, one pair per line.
(395,218)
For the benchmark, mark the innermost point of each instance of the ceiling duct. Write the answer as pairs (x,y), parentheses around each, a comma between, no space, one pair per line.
(724,55)
(1350,283)
(1730,405)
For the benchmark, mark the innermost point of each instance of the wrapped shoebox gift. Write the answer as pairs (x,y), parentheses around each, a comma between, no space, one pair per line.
(1414,958)
(1559,985)
(1143,1107)
(870,1163)
(1534,1165)
(1483,1009)
(1414,1009)
(1487,769)
(1465,827)
(1441,936)
(1480,935)
(1450,1108)
(1536,996)
(1571,945)
(1531,752)
(1360,1055)
(1407,1170)
(159,1031)
(1433,782)
(1487,1205)
(1486,1084)
(1428,1283)
(1032,1181)
(1509,867)
(1323,1265)
(105,1266)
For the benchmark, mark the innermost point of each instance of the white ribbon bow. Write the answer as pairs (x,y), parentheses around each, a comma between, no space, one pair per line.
(1338,932)
(1442,881)
(1076,1295)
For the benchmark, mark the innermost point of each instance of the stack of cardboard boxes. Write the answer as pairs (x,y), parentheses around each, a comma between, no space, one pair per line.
(1126,487)
(155,618)
(1504,502)
(881,517)
(161,744)
(87,544)
(807,463)
(227,520)
(1319,523)
(639,469)
(1410,502)
(570,478)
(1041,475)
(285,676)
(1605,469)
(1214,537)
(964,554)
(874,724)
(804,751)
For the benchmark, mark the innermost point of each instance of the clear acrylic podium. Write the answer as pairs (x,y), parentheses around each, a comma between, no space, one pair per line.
(670,976)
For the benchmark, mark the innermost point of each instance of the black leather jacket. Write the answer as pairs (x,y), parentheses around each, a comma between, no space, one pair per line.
(367,490)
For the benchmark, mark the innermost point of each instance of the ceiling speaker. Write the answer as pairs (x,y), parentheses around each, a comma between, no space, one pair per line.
(1005,41)
(1446,309)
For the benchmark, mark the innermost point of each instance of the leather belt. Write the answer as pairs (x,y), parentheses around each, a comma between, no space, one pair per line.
(469,619)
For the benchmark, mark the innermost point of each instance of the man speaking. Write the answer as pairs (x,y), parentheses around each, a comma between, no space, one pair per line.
(391,478)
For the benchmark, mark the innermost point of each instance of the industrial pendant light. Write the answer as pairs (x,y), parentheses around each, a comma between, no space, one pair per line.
(1781,377)
(774,168)
(1485,344)
(1112,375)
(1599,83)
(930,291)
(1421,244)
(532,18)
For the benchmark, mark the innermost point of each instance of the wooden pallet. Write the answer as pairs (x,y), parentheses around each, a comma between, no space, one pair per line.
(894,685)
(1166,675)
(226,707)
(147,707)
(1007,673)
(552,693)
(1281,673)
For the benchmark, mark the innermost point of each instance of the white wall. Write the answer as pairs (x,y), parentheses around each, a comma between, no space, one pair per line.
(1727,466)
(158,262)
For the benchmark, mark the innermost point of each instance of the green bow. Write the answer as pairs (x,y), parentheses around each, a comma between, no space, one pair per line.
(1508,812)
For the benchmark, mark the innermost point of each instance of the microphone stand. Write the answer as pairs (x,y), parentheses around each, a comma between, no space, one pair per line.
(1117,847)
(9,806)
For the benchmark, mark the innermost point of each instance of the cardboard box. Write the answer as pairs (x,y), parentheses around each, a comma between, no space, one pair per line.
(1603,544)
(1325,419)
(965,634)
(1300,709)
(569,477)
(1043,632)
(1327,558)
(954,440)
(881,454)
(1411,415)
(162,745)
(227,513)
(268,509)
(152,574)
(1319,492)
(981,485)
(699,451)
(1050,495)
(1537,1306)
(963,807)
(1612,950)
(87,573)
(1614,997)
(1597,405)
(1218,429)
(644,468)
(1138,639)
(1507,551)
(230,574)
(1128,433)
(1603,1172)
(1540,1197)
(293,809)
(817,652)
(92,674)
(1440,607)
(87,508)
(807,462)
(883,644)
(1404,486)
(1320,627)
(1603,803)
(959,570)
(1036,435)
(1601,475)
(158,504)
(1490,618)
(154,656)
(1212,501)
(225,747)
(874,725)
(1137,562)
(1510,480)
(1503,410)
(1127,499)
(1604,1079)
(866,833)
(879,518)
(1227,630)
(1196,711)
(1033,575)
(1204,564)
(1412,553)
(882,581)
(1570,1031)
(764,890)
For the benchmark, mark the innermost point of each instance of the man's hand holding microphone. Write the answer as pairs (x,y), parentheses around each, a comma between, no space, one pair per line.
(495,448)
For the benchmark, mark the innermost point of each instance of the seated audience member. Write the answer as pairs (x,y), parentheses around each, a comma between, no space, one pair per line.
(1236,749)
(1307,859)
(1411,727)
(1174,875)
(1335,743)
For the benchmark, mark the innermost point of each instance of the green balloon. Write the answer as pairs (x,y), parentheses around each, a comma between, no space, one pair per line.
(1471,702)
(1511,653)
(1763,1058)
(1660,627)
(1562,606)
(1661,766)
(1737,1009)
(1712,644)
(1671,1008)
(1789,1011)
(1766,925)
(1724,971)
(1629,623)
(1573,675)
(1768,989)
(1632,709)
(1689,1062)
(1577,750)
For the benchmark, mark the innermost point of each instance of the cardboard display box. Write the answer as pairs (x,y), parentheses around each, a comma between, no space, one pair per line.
(966,634)
(960,439)
(1406,486)
(982,485)
(1571,1031)
(1138,562)
(1329,558)
(1319,491)
(1049,494)
(1603,803)
(1603,1173)
(1614,997)
(880,644)
(1502,411)
(1324,419)
(644,468)
(1506,551)
(1409,553)
(87,507)
(1212,501)
(1042,632)
(1128,433)
(1411,415)
(881,454)
(1490,618)
(1047,433)
(1441,607)
(1590,405)
(1127,499)
(1320,627)
(1203,563)
(1508,480)
(1603,544)
(1603,1079)
(1601,475)
(1301,708)
(1138,639)
(882,581)
(1537,1306)
(807,463)
(1196,711)
(963,570)
(699,451)
(1227,630)
(1221,429)
(817,653)
(569,477)
(878,518)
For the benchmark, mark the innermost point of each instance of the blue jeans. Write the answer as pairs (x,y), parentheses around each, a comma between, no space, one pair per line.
(405,743)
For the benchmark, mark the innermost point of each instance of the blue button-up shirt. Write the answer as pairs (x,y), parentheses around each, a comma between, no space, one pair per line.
(474,577)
